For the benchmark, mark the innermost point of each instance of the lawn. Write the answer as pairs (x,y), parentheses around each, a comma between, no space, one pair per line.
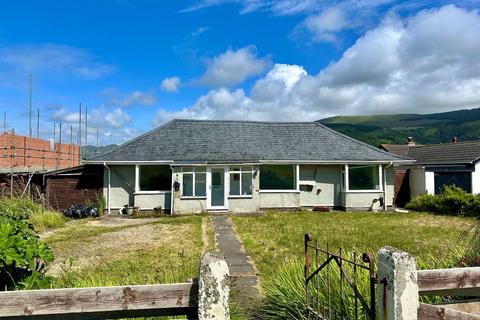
(92,252)
(275,238)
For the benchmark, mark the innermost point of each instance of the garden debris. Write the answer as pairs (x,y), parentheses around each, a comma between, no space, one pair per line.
(81,211)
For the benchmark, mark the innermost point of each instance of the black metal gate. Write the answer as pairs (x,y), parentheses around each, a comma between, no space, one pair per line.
(332,283)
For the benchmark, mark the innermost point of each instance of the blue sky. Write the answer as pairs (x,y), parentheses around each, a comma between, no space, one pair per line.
(137,64)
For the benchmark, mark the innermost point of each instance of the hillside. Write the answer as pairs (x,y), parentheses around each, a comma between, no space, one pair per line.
(424,128)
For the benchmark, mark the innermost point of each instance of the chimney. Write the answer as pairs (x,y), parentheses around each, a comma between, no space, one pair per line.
(454,139)
(410,141)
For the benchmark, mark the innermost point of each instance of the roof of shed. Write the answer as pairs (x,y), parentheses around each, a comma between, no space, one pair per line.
(234,141)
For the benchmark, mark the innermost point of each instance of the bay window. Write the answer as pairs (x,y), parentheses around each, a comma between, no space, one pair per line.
(241,181)
(278,177)
(194,182)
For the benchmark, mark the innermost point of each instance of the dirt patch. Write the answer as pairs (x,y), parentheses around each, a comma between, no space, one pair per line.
(119,221)
(114,245)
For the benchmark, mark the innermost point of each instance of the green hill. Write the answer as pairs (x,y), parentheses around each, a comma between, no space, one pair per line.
(424,128)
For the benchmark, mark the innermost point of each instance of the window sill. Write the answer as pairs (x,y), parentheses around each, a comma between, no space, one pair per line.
(279,191)
(362,191)
(240,197)
(151,192)
(193,198)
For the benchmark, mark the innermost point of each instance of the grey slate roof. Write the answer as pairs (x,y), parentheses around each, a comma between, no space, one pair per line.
(235,141)
(446,153)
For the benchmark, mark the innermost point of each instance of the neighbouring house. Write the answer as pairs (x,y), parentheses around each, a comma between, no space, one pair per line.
(188,166)
(438,165)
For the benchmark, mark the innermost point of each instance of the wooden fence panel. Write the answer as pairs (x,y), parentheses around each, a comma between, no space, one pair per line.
(434,312)
(449,282)
(101,302)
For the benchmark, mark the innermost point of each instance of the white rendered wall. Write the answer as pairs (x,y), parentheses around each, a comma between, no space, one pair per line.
(430,182)
(476,179)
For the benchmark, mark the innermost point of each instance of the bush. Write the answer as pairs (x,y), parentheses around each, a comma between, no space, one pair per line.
(452,200)
(23,257)
(21,208)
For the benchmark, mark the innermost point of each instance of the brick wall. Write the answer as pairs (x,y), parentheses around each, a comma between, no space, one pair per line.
(24,153)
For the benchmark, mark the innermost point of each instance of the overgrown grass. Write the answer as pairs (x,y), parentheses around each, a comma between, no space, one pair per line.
(47,220)
(275,243)
(275,238)
(165,251)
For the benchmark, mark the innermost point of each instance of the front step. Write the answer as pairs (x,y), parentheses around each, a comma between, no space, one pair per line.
(218,212)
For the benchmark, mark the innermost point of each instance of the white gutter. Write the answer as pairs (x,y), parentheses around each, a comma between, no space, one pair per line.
(108,186)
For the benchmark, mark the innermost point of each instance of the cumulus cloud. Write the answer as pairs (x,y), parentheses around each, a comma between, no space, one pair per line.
(326,24)
(427,63)
(135,98)
(233,67)
(48,58)
(170,84)
(98,117)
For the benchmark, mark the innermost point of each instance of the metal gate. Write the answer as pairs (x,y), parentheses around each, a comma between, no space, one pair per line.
(331,282)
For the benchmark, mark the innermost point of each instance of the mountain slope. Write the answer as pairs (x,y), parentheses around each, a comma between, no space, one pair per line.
(424,128)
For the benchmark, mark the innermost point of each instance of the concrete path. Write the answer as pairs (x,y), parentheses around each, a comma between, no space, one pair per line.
(242,270)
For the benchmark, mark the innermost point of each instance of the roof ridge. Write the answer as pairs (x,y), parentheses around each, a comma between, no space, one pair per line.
(446,143)
(360,142)
(244,121)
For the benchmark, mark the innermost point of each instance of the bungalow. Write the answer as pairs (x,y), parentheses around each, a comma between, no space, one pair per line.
(438,165)
(189,166)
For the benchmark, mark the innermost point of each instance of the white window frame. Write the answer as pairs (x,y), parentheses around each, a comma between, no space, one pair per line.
(137,181)
(243,169)
(346,180)
(194,180)
(297,181)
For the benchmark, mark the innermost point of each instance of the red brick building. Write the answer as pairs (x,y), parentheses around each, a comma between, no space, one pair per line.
(24,154)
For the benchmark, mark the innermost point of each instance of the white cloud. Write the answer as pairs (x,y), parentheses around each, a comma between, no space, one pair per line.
(52,58)
(427,63)
(233,67)
(117,118)
(170,84)
(98,117)
(135,98)
(327,23)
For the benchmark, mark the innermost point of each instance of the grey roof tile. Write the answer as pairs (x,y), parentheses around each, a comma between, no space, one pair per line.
(224,141)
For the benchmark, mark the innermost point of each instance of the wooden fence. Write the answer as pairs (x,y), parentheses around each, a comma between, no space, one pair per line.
(400,285)
(126,301)
(450,282)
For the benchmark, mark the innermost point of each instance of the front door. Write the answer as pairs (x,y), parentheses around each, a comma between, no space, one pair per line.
(216,198)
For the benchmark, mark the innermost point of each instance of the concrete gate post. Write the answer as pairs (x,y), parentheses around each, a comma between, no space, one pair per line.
(213,288)
(398,288)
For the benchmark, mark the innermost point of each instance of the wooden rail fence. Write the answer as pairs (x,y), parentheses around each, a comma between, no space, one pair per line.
(463,282)
(127,301)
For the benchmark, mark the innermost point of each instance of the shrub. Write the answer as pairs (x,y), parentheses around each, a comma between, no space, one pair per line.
(23,257)
(21,208)
(452,200)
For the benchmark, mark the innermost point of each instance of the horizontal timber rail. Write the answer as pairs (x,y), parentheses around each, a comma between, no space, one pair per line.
(206,299)
(449,282)
(101,302)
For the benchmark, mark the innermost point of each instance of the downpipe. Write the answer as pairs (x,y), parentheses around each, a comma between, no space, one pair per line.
(108,186)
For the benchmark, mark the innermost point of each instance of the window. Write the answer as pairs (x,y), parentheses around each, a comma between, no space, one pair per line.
(194,182)
(363,177)
(241,181)
(278,177)
(155,178)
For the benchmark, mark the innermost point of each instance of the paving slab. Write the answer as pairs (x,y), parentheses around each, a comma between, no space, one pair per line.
(242,269)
